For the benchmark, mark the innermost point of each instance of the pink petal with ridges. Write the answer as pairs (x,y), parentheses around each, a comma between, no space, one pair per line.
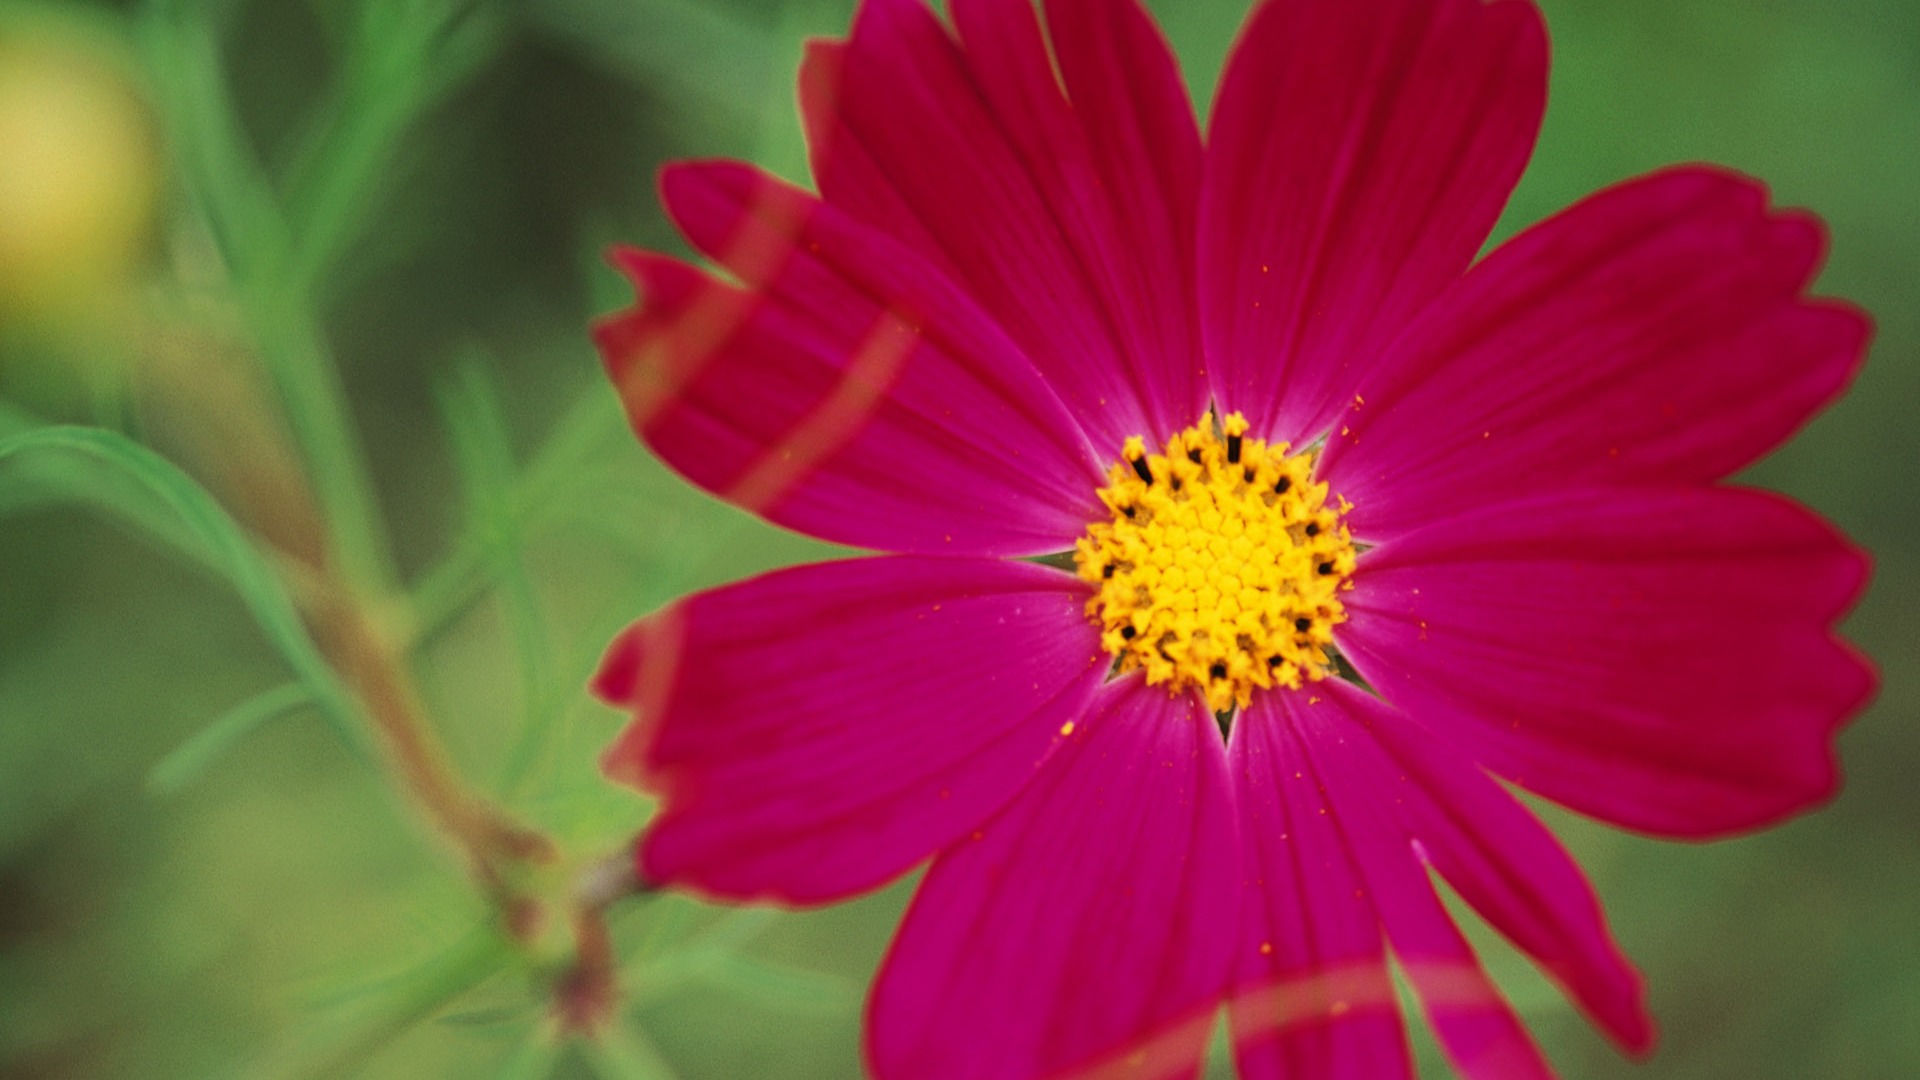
(1086,930)
(1313,994)
(1660,659)
(1117,159)
(1505,863)
(1478,1029)
(1359,153)
(1654,333)
(1070,223)
(818,731)
(851,392)
(843,168)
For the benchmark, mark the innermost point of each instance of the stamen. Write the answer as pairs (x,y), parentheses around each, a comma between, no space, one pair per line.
(1221,568)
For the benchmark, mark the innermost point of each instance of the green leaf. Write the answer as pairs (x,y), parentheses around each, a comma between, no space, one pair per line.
(117,474)
(36,480)
(620,1053)
(400,59)
(779,986)
(210,153)
(779,142)
(185,764)
(534,1059)
(223,180)
(735,930)
(651,39)
(461,577)
(491,1016)
(14,420)
(483,456)
(402,1001)
(667,958)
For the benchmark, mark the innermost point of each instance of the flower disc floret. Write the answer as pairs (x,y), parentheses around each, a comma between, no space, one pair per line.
(1222,567)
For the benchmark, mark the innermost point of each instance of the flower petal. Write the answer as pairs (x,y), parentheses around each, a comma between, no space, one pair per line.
(1359,153)
(1655,333)
(817,731)
(1118,160)
(1062,197)
(1476,1026)
(1090,923)
(1313,994)
(844,170)
(1661,659)
(850,392)
(1506,864)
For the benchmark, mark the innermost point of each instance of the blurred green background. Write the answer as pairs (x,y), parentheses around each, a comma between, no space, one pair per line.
(415,193)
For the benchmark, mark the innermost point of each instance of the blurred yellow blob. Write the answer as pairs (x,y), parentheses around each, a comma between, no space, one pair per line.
(78,177)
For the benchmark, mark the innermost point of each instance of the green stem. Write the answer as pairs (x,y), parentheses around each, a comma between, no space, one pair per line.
(309,382)
(225,183)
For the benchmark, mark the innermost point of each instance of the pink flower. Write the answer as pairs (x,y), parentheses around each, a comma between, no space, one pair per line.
(1394,522)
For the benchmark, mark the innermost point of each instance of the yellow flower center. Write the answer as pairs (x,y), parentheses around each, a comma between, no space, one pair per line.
(1222,567)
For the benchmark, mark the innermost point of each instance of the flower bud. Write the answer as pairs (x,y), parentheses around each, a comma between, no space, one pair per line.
(79,172)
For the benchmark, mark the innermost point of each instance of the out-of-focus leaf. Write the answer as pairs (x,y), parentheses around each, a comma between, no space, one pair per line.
(668,917)
(607,289)
(35,480)
(533,1059)
(779,140)
(400,1001)
(647,41)
(734,930)
(191,758)
(650,40)
(220,175)
(223,180)
(781,987)
(476,423)
(400,59)
(620,1053)
(669,958)
(1219,1060)
(492,1016)
(117,474)
(447,590)
(14,420)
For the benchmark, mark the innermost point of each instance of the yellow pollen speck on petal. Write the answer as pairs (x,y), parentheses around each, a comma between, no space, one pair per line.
(1222,566)
(1066,728)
